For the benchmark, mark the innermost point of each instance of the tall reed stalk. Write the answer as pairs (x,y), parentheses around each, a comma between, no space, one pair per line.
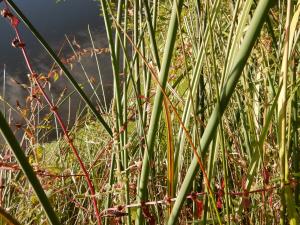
(237,68)
(287,205)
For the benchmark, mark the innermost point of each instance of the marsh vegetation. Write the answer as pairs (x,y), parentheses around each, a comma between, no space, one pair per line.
(202,126)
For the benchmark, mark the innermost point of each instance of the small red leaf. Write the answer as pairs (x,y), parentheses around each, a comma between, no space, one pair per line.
(271,201)
(143,97)
(222,183)
(266,176)
(246,200)
(220,193)
(14,21)
(219,203)
(199,207)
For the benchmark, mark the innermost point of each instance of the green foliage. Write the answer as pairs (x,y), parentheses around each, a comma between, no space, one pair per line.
(218,68)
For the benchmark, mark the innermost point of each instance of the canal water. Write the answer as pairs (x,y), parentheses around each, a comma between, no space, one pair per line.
(55,21)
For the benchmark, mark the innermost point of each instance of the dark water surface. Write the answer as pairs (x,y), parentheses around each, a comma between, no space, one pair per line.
(54,21)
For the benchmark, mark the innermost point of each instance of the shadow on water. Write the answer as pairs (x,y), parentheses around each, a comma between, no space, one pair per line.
(54,21)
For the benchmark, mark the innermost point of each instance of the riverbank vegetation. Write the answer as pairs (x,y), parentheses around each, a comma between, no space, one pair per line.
(202,127)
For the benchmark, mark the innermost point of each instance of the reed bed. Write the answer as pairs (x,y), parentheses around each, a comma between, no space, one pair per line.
(202,127)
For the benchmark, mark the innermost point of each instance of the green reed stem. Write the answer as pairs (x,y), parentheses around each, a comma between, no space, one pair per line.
(233,78)
(163,75)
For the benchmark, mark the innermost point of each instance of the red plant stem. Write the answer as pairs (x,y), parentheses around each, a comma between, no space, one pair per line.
(60,121)
(192,197)
(41,172)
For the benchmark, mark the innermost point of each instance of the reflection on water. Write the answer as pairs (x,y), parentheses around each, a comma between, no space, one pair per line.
(54,21)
